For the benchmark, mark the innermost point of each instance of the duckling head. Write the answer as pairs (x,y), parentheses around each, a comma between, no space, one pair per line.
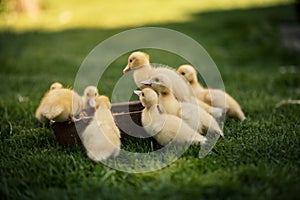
(103,101)
(188,72)
(90,93)
(160,83)
(148,97)
(136,60)
(56,85)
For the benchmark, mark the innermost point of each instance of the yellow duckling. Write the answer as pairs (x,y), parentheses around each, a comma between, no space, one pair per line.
(38,115)
(139,63)
(213,97)
(101,138)
(89,97)
(59,104)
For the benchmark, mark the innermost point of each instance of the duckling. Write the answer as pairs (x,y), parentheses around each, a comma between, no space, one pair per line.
(59,105)
(89,97)
(213,97)
(192,114)
(101,138)
(38,115)
(163,127)
(139,63)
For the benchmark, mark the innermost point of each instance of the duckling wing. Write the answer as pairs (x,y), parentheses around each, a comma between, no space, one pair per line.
(51,112)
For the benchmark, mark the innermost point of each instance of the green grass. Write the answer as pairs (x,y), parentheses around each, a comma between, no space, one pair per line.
(258,158)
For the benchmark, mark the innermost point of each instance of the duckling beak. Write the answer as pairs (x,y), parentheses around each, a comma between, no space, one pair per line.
(137,92)
(92,102)
(146,82)
(126,69)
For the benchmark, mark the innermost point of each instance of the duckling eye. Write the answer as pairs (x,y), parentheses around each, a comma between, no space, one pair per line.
(143,94)
(88,94)
(130,60)
(95,94)
(183,73)
(156,80)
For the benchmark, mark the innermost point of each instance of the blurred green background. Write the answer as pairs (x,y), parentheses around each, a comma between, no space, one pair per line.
(254,44)
(56,15)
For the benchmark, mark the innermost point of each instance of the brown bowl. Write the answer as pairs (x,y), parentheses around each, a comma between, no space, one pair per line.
(127,117)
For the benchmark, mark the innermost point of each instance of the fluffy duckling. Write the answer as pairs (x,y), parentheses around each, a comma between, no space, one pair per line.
(38,115)
(101,138)
(163,127)
(59,105)
(139,63)
(89,97)
(213,97)
(192,114)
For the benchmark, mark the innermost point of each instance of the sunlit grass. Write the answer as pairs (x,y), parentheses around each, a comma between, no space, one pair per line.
(58,15)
